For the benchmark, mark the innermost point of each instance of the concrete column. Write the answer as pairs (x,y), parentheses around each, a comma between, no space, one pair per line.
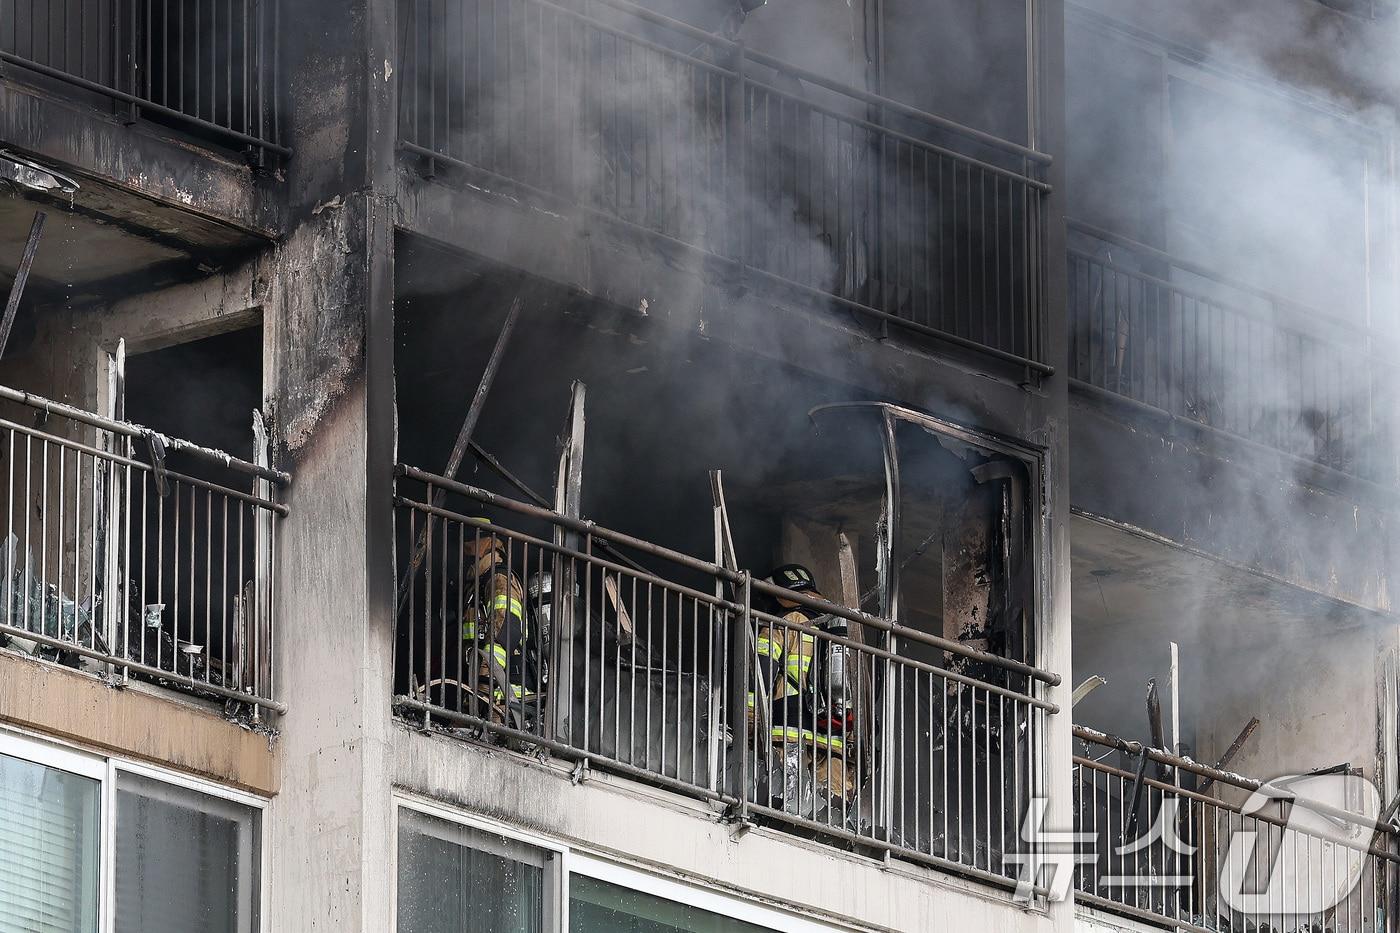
(329,324)
(1052,429)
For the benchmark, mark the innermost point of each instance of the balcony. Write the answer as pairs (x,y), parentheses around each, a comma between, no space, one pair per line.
(664,677)
(117,564)
(1197,849)
(207,68)
(715,156)
(1229,358)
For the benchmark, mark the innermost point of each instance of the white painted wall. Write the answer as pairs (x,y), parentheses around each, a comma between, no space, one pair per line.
(619,819)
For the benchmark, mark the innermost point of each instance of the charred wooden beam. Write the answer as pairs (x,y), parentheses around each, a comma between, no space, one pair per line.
(1235,747)
(26,262)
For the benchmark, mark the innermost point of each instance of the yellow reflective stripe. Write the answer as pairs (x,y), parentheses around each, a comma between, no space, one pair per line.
(498,651)
(517,609)
(797,665)
(519,692)
(794,734)
(770,648)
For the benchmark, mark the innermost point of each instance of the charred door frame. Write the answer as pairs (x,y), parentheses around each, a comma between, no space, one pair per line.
(1033,458)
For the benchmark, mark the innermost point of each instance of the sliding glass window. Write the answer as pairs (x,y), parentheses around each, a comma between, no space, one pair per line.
(186,862)
(457,874)
(597,906)
(187,853)
(50,837)
(458,879)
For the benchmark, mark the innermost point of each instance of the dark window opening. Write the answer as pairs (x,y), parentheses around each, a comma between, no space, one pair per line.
(190,584)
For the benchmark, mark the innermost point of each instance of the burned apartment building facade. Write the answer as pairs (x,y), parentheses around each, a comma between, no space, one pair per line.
(519,465)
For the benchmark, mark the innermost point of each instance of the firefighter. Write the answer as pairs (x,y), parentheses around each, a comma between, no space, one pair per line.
(808,681)
(495,630)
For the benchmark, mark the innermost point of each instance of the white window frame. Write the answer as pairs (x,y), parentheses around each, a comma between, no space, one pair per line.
(567,861)
(62,756)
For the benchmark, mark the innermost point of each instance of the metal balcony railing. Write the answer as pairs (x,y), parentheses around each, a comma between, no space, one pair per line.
(115,564)
(207,66)
(649,674)
(1263,370)
(1180,844)
(721,156)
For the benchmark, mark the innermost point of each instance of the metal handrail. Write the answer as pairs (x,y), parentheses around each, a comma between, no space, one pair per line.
(665,683)
(140,102)
(115,458)
(133,430)
(218,74)
(912,141)
(720,603)
(145,570)
(813,77)
(1219,776)
(713,570)
(1215,275)
(1299,463)
(739,266)
(1159,869)
(1190,795)
(848,250)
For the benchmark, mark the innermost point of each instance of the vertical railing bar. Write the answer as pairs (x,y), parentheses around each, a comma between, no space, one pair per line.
(228,64)
(265,653)
(11,549)
(616,665)
(632,680)
(249,603)
(160,569)
(586,705)
(694,693)
(972,699)
(59,560)
(150,88)
(429,561)
(746,675)
(78,549)
(44,541)
(165,52)
(694,708)
(260,71)
(193,579)
(223,608)
(411,668)
(447,625)
(458,623)
(246,87)
(208,584)
(122,614)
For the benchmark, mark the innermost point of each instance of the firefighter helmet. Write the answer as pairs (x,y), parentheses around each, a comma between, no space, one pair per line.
(484,546)
(797,578)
